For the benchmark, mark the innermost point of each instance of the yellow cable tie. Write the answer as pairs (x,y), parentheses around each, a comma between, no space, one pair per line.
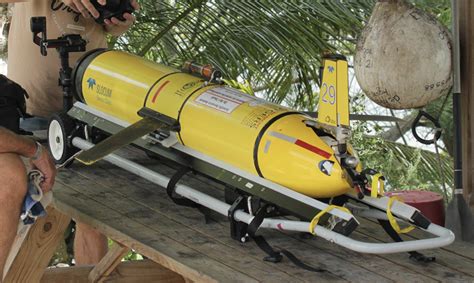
(315,220)
(378,185)
(393,220)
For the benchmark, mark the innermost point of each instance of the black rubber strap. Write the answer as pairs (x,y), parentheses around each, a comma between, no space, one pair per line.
(416,123)
(184,201)
(273,255)
(257,220)
(296,261)
(172,185)
(416,256)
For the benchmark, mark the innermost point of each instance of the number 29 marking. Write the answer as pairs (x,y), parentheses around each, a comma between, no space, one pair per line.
(329,94)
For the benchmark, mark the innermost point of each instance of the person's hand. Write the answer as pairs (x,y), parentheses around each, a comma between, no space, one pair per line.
(129,18)
(45,165)
(84,7)
(117,27)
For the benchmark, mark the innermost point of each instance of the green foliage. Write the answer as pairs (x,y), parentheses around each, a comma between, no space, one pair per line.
(132,255)
(441,9)
(275,45)
(244,87)
(405,167)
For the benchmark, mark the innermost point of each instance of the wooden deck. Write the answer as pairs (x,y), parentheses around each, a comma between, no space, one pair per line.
(139,214)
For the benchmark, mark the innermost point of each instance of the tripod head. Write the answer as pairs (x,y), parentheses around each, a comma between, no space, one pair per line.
(64,45)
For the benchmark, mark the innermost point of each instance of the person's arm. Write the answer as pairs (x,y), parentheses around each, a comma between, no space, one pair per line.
(12,143)
(38,155)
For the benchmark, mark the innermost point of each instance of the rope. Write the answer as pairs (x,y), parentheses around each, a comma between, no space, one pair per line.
(393,220)
(378,185)
(438,156)
(315,220)
(434,141)
(441,173)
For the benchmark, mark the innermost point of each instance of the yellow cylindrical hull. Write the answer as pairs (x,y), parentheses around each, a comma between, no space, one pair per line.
(250,133)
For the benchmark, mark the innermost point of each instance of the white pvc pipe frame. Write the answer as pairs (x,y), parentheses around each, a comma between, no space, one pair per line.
(444,236)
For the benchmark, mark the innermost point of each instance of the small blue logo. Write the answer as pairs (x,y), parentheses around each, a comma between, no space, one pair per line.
(331,69)
(91,83)
(326,166)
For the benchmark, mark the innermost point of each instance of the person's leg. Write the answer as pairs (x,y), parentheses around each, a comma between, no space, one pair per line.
(12,192)
(90,246)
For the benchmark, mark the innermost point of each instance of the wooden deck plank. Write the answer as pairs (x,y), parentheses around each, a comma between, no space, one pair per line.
(459,248)
(175,230)
(439,270)
(373,263)
(350,271)
(221,233)
(461,262)
(230,254)
(190,217)
(158,247)
(149,199)
(449,258)
(108,263)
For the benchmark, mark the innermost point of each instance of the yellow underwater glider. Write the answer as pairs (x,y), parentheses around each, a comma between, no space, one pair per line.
(290,162)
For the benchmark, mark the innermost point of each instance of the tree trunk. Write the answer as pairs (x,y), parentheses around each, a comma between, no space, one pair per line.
(5,16)
(393,134)
(467,96)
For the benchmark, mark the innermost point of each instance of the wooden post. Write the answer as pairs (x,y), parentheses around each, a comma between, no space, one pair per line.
(21,234)
(38,248)
(466,33)
(108,263)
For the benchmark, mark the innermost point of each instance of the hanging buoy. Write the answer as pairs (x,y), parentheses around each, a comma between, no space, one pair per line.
(403,57)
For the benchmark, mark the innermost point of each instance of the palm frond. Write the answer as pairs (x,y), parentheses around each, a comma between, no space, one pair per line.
(267,43)
(407,167)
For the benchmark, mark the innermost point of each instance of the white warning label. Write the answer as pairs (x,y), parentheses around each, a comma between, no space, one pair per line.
(224,99)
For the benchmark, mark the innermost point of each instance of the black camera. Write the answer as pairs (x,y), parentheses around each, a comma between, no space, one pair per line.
(113,8)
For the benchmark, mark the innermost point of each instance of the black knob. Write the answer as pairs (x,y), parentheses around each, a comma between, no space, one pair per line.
(38,24)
